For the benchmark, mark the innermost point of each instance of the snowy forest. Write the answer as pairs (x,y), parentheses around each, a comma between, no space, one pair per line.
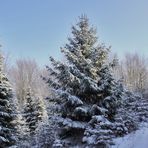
(88,99)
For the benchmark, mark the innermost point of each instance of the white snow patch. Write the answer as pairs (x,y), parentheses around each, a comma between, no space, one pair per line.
(138,139)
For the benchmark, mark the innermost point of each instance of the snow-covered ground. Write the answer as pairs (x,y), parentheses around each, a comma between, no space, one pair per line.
(138,139)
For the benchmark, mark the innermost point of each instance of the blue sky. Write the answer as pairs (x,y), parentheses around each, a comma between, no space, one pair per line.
(38,28)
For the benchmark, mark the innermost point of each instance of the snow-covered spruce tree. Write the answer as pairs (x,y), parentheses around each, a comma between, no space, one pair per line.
(86,93)
(33,112)
(22,129)
(7,117)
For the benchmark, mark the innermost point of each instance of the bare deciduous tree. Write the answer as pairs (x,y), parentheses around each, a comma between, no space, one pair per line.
(133,69)
(24,74)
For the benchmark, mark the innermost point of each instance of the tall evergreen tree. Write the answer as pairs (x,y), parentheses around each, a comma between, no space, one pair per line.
(33,112)
(7,128)
(85,89)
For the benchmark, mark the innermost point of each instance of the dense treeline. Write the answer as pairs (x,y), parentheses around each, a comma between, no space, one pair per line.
(84,101)
(133,70)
